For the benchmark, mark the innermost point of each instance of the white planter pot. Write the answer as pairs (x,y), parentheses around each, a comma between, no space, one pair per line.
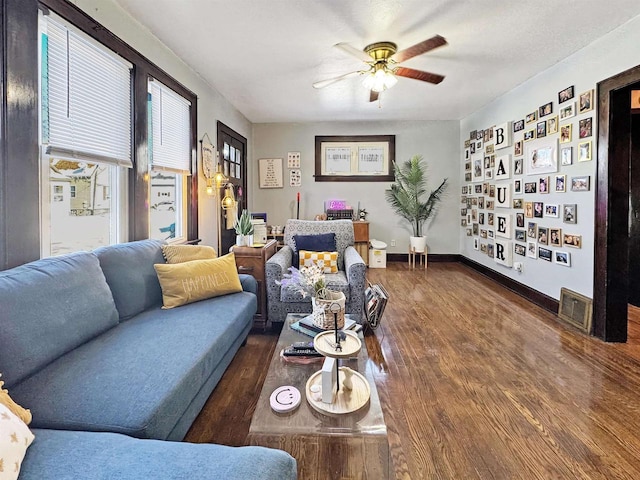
(240,240)
(244,240)
(418,244)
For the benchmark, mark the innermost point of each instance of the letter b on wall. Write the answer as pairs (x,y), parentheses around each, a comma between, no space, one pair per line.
(502,135)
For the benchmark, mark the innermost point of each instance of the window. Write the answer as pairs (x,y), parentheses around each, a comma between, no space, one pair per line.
(86,139)
(170,152)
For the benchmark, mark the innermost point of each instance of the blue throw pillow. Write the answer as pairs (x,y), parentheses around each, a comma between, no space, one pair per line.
(321,242)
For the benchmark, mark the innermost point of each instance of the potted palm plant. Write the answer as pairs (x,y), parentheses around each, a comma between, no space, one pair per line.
(244,229)
(406,197)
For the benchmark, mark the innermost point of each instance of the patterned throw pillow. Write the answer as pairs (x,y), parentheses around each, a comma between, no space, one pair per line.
(15,438)
(7,401)
(190,282)
(187,253)
(329,260)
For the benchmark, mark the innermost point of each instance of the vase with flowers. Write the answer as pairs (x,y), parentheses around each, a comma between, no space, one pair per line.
(310,281)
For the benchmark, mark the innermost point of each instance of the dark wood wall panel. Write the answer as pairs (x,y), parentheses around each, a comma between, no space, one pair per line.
(19,174)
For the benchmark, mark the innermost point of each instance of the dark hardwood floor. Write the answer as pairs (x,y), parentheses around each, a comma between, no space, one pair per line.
(475,383)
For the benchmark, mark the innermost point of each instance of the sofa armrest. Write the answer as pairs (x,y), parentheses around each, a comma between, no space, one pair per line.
(354,265)
(249,284)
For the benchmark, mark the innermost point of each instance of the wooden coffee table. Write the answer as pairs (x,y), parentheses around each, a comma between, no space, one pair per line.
(354,445)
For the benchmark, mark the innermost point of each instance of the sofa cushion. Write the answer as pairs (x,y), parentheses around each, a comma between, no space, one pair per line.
(68,455)
(321,242)
(50,307)
(128,268)
(189,282)
(187,253)
(140,377)
(15,438)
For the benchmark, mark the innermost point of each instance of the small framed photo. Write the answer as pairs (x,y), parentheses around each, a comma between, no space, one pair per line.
(483,233)
(561,183)
(565,133)
(481,202)
(517,203)
(464,190)
(532,249)
(567,111)
(476,228)
(517,186)
(520,220)
(490,219)
(544,254)
(580,184)
(463,222)
(520,235)
(563,258)
(492,190)
(532,230)
(546,109)
(518,166)
(479,134)
(476,244)
(490,250)
(565,94)
(467,177)
(566,155)
(541,129)
(472,135)
(584,151)
(519,249)
(485,135)
(551,210)
(518,125)
(469,233)
(530,187)
(585,127)
(489,148)
(472,148)
(543,185)
(552,125)
(481,218)
(555,237)
(585,101)
(467,166)
(491,234)
(478,188)
(529,135)
(543,235)
(467,143)
(490,204)
(528,209)
(570,213)
(517,148)
(531,117)
(538,209)
(573,241)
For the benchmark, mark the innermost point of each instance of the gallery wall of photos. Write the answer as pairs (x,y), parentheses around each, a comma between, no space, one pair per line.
(510,168)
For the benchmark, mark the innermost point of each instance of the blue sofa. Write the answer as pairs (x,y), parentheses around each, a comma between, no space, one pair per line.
(106,372)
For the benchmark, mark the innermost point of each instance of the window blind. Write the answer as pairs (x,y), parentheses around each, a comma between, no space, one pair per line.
(88,109)
(171,145)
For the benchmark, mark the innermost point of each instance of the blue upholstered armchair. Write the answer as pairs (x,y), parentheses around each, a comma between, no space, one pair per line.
(350,278)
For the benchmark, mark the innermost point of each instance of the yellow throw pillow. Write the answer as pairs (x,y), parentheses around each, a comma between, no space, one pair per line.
(329,260)
(15,438)
(7,401)
(187,253)
(189,282)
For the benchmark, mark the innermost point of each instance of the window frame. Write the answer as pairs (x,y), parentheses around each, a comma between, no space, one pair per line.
(138,177)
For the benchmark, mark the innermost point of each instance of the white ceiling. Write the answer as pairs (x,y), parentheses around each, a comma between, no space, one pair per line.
(264,55)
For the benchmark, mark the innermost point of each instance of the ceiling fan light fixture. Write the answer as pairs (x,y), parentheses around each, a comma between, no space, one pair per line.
(379,80)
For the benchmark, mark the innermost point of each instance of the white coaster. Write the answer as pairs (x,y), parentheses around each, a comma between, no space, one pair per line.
(285,399)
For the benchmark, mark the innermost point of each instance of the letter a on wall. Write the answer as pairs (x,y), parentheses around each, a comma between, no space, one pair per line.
(502,135)
(503,167)
(503,196)
(503,253)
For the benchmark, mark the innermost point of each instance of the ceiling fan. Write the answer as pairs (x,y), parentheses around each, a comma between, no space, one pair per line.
(382,58)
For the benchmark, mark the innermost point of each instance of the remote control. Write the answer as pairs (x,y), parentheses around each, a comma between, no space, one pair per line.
(308,352)
(302,345)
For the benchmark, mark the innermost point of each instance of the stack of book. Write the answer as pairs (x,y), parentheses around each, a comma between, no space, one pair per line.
(305,325)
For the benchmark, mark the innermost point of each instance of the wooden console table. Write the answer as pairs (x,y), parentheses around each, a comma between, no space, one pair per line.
(361,239)
(251,260)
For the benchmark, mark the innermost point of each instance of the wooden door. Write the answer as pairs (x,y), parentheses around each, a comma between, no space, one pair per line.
(634,212)
(233,155)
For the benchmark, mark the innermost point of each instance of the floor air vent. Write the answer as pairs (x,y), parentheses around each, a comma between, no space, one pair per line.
(575,309)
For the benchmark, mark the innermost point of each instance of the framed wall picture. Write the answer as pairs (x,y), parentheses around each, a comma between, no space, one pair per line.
(565,133)
(364,158)
(573,241)
(566,155)
(561,183)
(552,125)
(584,151)
(541,156)
(270,173)
(585,101)
(546,109)
(563,258)
(570,213)
(585,127)
(567,111)
(580,184)
(565,94)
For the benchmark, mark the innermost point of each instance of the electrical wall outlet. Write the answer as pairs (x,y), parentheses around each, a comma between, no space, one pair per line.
(393,242)
(517,266)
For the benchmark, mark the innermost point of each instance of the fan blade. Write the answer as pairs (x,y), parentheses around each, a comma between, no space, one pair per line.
(418,75)
(373,96)
(325,83)
(353,51)
(419,49)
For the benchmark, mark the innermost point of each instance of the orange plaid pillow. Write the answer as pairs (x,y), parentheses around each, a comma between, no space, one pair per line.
(328,260)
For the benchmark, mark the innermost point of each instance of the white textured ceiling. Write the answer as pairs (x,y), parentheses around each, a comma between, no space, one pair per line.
(264,55)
